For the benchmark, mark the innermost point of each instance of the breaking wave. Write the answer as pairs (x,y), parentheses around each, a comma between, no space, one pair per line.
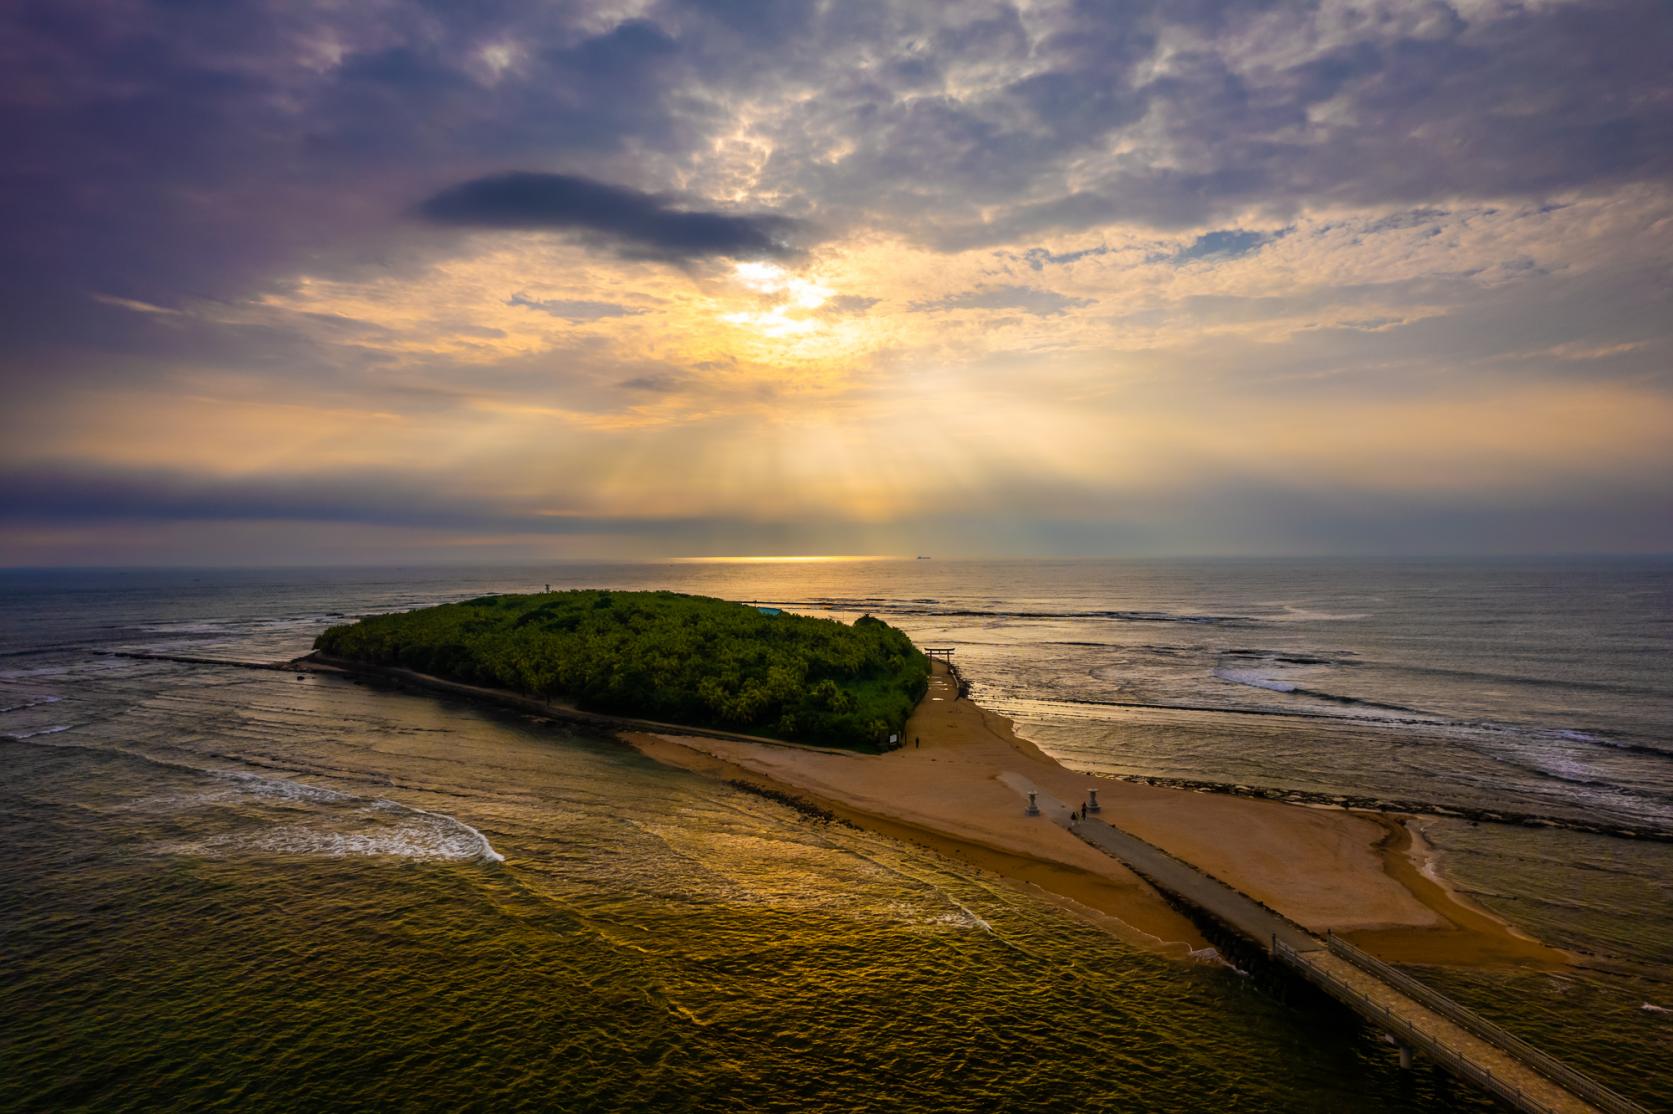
(340,824)
(451,842)
(380,826)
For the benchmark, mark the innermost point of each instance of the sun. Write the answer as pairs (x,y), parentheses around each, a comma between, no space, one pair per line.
(791,315)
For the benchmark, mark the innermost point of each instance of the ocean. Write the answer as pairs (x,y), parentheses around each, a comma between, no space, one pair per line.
(235,888)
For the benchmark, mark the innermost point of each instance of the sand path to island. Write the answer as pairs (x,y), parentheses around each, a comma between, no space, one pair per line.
(960,783)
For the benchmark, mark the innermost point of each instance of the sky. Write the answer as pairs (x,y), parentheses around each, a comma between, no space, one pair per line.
(477,281)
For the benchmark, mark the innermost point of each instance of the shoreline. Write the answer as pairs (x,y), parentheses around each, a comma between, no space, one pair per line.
(959,789)
(1119,901)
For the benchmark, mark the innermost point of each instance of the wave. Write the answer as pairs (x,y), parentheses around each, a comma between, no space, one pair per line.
(436,836)
(25,674)
(911,607)
(36,703)
(421,834)
(1307,615)
(19,736)
(190,626)
(1633,829)
(1591,739)
(1253,680)
(1406,717)
(432,843)
(282,788)
(1616,688)
(1293,657)
(483,849)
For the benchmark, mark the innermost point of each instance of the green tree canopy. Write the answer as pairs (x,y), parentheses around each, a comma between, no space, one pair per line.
(663,656)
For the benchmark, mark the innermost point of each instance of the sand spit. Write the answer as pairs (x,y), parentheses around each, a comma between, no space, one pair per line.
(960,786)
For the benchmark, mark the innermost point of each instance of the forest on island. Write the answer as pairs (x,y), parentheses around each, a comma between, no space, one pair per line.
(662,656)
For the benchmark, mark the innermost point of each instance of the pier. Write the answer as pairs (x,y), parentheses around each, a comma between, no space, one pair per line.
(1418,1018)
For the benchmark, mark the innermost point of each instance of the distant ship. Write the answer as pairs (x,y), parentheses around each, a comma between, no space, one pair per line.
(921,557)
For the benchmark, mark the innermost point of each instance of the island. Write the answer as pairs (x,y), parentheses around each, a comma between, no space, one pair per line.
(661,656)
(852,722)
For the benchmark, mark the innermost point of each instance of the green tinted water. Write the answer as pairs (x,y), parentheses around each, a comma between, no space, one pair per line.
(186,939)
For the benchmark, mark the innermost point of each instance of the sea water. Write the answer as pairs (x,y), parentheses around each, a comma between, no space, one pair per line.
(229,887)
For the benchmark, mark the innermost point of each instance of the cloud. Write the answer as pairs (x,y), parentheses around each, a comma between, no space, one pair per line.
(135,305)
(1028,299)
(82,494)
(574,309)
(636,224)
(849,304)
(208,236)
(661,383)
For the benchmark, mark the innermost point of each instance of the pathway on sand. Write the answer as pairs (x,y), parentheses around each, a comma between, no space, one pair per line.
(1477,1052)
(1173,875)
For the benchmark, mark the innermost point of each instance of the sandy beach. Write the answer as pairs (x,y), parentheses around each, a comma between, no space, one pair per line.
(960,785)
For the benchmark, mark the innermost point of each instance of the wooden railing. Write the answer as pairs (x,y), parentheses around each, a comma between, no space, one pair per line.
(1555,1070)
(1411,1034)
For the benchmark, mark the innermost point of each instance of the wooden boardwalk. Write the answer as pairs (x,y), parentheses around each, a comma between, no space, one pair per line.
(1416,1016)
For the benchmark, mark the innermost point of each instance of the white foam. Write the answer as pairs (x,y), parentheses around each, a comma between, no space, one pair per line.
(424,842)
(342,825)
(965,918)
(1253,680)
(484,850)
(434,835)
(280,787)
(21,735)
(959,916)
(1307,615)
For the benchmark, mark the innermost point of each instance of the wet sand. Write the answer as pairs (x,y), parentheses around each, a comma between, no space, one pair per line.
(959,786)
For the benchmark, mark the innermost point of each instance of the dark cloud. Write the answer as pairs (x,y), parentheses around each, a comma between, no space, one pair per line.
(170,151)
(661,383)
(1420,105)
(849,304)
(574,309)
(1028,299)
(635,223)
(188,158)
(69,495)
